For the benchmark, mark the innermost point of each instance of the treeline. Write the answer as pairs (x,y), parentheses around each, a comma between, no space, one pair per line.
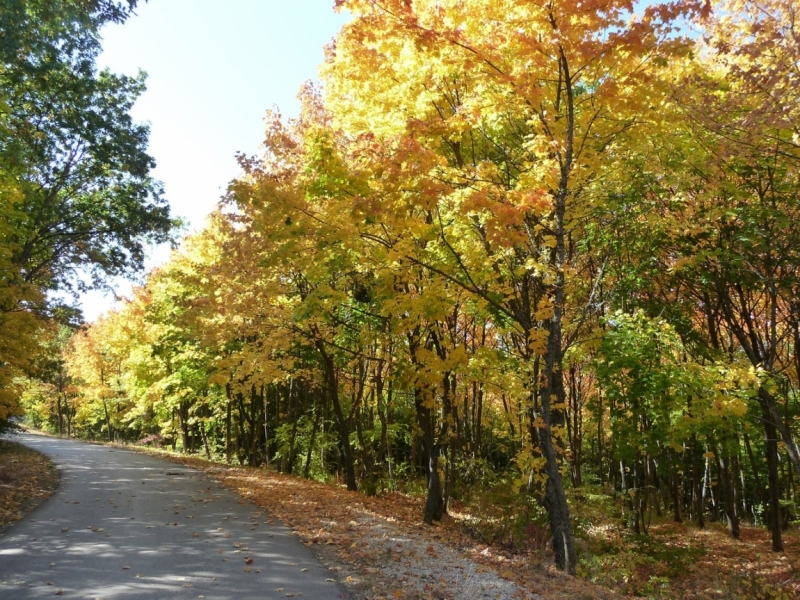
(540,246)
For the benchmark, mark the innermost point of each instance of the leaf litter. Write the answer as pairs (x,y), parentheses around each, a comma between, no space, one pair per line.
(27,477)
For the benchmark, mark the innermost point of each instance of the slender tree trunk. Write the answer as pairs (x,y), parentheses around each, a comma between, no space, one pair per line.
(676,498)
(553,390)
(108,422)
(770,412)
(760,489)
(205,440)
(771,445)
(708,489)
(294,417)
(332,384)
(252,459)
(600,469)
(228,424)
(307,467)
(265,397)
(555,499)
(478,401)
(697,495)
(59,411)
(434,502)
(68,413)
(738,471)
(574,427)
(727,487)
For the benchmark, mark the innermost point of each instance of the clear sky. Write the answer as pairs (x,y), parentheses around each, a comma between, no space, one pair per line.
(214,67)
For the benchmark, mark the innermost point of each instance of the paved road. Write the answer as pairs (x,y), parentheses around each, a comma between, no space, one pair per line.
(127,525)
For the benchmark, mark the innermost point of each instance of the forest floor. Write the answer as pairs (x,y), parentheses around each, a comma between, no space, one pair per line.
(26,478)
(676,560)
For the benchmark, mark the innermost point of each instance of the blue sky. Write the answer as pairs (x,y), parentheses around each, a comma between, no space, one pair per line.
(214,67)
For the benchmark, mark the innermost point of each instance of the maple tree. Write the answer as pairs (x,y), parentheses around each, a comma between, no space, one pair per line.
(523,104)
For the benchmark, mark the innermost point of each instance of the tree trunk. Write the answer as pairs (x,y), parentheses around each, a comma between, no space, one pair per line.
(228,423)
(760,490)
(727,488)
(434,501)
(307,467)
(555,499)
(108,422)
(574,423)
(697,496)
(770,412)
(59,411)
(205,440)
(553,389)
(676,498)
(332,385)
(771,444)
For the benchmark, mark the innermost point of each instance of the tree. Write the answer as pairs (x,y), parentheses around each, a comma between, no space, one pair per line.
(87,198)
(726,189)
(77,194)
(509,117)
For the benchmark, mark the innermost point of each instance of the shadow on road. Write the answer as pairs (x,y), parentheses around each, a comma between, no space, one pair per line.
(128,525)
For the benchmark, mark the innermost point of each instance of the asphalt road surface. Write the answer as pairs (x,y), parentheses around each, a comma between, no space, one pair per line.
(128,525)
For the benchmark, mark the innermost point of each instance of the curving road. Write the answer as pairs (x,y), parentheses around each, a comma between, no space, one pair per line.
(128,525)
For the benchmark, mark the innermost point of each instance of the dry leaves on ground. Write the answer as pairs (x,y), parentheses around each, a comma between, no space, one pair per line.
(743,568)
(26,478)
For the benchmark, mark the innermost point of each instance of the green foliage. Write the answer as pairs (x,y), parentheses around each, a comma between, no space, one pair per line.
(657,395)
(640,565)
(504,517)
(88,201)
